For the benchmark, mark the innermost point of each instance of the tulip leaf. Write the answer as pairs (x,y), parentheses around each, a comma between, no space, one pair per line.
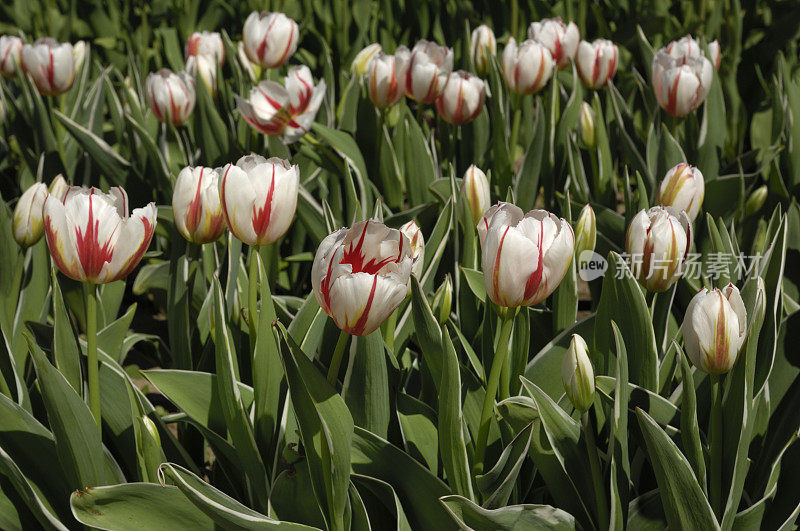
(690,430)
(366,389)
(436,243)
(512,517)
(498,483)
(604,179)
(289,497)
(111,163)
(418,427)
(66,353)
(419,169)
(428,333)
(527,186)
(210,129)
(565,300)
(658,407)
(620,458)
(347,148)
(475,282)
(386,501)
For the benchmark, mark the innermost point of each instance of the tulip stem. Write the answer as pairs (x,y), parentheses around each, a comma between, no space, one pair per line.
(252,299)
(336,360)
(715,482)
(499,361)
(597,476)
(512,145)
(91,352)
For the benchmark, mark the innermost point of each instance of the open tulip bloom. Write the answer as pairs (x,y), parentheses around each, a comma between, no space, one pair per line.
(658,241)
(424,70)
(52,65)
(561,39)
(682,76)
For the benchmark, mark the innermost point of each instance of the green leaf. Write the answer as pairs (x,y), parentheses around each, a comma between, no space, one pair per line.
(475,282)
(428,333)
(388,500)
(418,427)
(289,497)
(528,180)
(210,129)
(419,168)
(499,482)
(113,166)
(513,517)
(690,430)
(66,354)
(620,459)
(366,389)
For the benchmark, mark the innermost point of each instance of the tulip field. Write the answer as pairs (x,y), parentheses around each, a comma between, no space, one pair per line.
(402,265)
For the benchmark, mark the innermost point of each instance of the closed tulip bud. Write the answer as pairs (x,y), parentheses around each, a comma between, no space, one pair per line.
(714,329)
(208,43)
(524,256)
(383,84)
(756,200)
(27,222)
(361,274)
(585,231)
(171,96)
(58,187)
(596,62)
(577,374)
(259,198)
(586,125)
(527,67)
(270,39)
(92,237)
(658,241)
(681,76)
(361,63)
(10,50)
(196,205)
(714,54)
(51,64)
(424,70)
(442,302)
(683,188)
(561,39)
(205,67)
(151,430)
(475,190)
(252,69)
(462,99)
(417,241)
(483,46)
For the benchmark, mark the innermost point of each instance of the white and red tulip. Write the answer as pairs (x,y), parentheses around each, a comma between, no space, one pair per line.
(383,85)
(91,236)
(270,39)
(524,256)
(27,223)
(561,39)
(207,43)
(714,329)
(683,188)
(196,206)
(259,198)
(417,241)
(424,70)
(681,76)
(527,67)
(52,65)
(171,96)
(361,274)
(596,62)
(475,190)
(205,67)
(658,241)
(714,54)
(462,98)
(10,50)
(483,46)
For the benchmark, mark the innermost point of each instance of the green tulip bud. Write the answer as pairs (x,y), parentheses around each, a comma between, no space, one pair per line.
(586,125)
(577,374)
(585,231)
(443,300)
(756,200)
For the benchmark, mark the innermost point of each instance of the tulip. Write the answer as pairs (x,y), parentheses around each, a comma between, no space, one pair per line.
(585,231)
(443,300)
(586,125)
(208,43)
(259,198)
(714,329)
(483,46)
(658,241)
(683,188)
(196,204)
(360,275)
(561,39)
(361,63)
(756,200)
(425,69)
(417,241)
(206,67)
(577,374)
(58,187)
(681,76)
(462,99)
(715,54)
(52,65)
(27,222)
(527,67)
(171,96)
(597,62)
(253,70)
(10,50)
(524,256)
(383,86)
(475,190)
(270,39)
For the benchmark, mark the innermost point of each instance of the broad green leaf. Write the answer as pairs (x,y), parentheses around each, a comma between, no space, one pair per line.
(690,430)
(366,388)
(475,282)
(418,427)
(384,495)
(290,497)
(498,483)
(66,354)
(419,167)
(111,163)
(210,130)
(527,186)
(620,459)
(428,333)
(512,517)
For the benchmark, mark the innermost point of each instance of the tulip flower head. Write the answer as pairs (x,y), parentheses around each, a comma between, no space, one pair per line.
(681,76)
(196,205)
(462,98)
(715,54)
(171,96)
(577,374)
(475,190)
(658,241)
(483,46)
(714,329)
(27,222)
(425,69)
(252,69)
(383,84)
(524,256)
(362,61)
(270,39)
(259,198)
(92,237)
(597,62)
(561,39)
(527,67)
(417,241)
(208,43)
(52,65)
(360,275)
(683,188)
(205,67)
(10,50)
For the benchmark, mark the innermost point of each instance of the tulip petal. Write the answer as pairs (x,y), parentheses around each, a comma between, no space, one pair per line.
(61,239)
(237,197)
(135,234)
(361,302)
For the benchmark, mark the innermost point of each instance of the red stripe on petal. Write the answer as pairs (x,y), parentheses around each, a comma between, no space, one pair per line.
(358,328)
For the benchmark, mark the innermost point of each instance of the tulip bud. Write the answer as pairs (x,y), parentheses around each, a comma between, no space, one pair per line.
(443,300)
(714,329)
(483,46)
(383,86)
(596,62)
(196,206)
(585,231)
(27,223)
(682,188)
(208,43)
(475,189)
(362,61)
(79,54)
(658,241)
(59,187)
(206,67)
(417,240)
(151,430)
(681,76)
(51,64)
(577,374)
(252,69)
(270,39)
(756,200)
(360,275)
(561,39)
(10,50)
(524,256)
(259,198)
(586,125)
(714,54)
(171,96)
(527,67)
(424,70)
(92,237)
(462,99)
